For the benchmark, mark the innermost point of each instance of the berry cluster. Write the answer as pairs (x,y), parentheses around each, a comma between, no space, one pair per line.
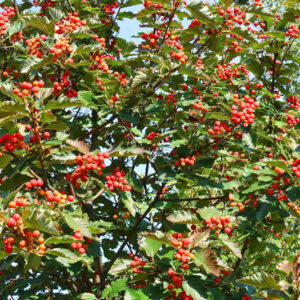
(152,4)
(222,223)
(151,136)
(100,62)
(29,88)
(233,204)
(247,296)
(199,106)
(85,163)
(171,99)
(235,46)
(292,120)
(62,46)
(81,248)
(293,32)
(117,181)
(100,83)
(296,167)
(233,14)
(18,36)
(294,102)
(26,237)
(199,63)
(34,45)
(100,40)
(121,78)
(69,23)
(182,254)
(113,99)
(56,196)
(136,263)
(150,40)
(176,282)
(12,141)
(189,160)
(109,9)
(226,73)
(245,112)
(34,183)
(195,23)
(44,5)
(219,128)
(173,42)
(179,55)
(5,15)
(18,202)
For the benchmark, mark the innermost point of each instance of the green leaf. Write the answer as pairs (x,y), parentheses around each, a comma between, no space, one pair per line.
(117,286)
(230,245)
(67,255)
(40,219)
(184,217)
(47,117)
(81,146)
(4,160)
(85,49)
(132,294)
(264,207)
(208,212)
(66,239)
(56,14)
(261,280)
(62,103)
(194,287)
(199,237)
(129,203)
(279,164)
(7,90)
(120,265)
(34,63)
(86,98)
(142,76)
(201,12)
(88,296)
(157,236)
(192,71)
(15,27)
(76,223)
(42,23)
(260,11)
(151,247)
(33,261)
(206,258)
(122,150)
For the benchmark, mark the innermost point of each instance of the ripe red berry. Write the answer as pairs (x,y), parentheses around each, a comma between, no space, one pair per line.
(46,135)
(11,222)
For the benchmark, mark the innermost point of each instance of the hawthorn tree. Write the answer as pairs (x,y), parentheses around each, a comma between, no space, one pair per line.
(165,167)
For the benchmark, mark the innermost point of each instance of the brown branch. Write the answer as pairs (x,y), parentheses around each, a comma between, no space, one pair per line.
(100,127)
(192,199)
(238,262)
(132,231)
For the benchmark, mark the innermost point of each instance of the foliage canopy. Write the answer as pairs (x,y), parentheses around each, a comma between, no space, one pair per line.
(165,167)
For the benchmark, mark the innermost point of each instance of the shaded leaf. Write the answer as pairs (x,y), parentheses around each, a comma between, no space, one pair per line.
(261,280)
(78,224)
(206,258)
(184,217)
(232,246)
(81,146)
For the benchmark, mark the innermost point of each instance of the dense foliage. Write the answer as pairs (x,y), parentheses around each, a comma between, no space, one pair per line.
(162,167)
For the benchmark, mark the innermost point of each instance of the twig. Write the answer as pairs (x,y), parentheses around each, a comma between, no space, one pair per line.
(192,199)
